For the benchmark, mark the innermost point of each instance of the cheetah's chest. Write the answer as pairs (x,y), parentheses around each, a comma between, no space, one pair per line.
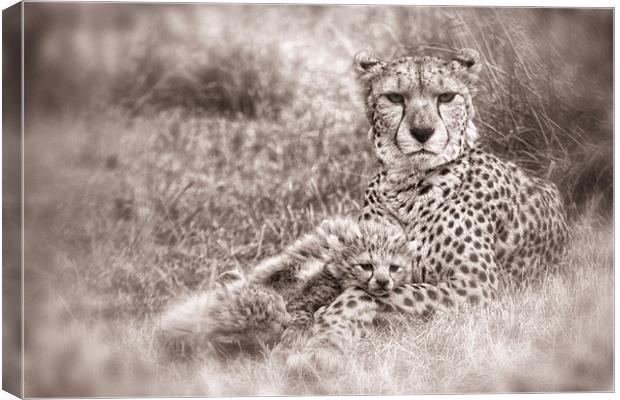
(431,211)
(474,207)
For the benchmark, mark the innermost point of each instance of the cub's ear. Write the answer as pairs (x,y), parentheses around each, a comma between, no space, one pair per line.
(412,248)
(339,232)
(366,63)
(371,134)
(469,62)
(230,276)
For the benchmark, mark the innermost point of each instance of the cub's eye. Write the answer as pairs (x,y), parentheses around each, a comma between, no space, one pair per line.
(394,268)
(446,97)
(395,98)
(367,267)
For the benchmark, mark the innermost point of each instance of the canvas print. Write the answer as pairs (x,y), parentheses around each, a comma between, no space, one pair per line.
(230,200)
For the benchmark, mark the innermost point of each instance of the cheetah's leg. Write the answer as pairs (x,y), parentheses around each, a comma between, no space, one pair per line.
(335,328)
(340,324)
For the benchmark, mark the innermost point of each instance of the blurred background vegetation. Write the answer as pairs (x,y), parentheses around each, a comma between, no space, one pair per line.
(546,96)
(166,143)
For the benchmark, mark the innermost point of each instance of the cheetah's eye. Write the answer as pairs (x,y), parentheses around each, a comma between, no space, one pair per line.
(394,268)
(446,97)
(367,267)
(395,98)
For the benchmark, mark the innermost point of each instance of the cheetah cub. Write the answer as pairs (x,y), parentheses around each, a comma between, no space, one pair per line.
(250,313)
(340,254)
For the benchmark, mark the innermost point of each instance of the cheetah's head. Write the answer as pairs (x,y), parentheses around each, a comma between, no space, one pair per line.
(376,258)
(420,108)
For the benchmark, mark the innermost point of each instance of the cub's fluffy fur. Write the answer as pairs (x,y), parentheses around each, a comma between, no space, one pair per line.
(286,290)
(234,315)
(340,254)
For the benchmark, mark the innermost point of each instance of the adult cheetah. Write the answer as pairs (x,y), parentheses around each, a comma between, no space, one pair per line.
(479,222)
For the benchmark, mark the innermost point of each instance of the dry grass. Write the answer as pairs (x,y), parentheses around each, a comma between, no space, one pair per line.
(130,204)
(556,337)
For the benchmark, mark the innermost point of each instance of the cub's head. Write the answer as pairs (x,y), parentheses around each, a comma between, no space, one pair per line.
(374,257)
(420,108)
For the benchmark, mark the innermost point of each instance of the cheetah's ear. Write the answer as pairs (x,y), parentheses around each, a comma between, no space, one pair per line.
(471,133)
(230,276)
(339,232)
(412,248)
(469,60)
(334,242)
(366,63)
(370,134)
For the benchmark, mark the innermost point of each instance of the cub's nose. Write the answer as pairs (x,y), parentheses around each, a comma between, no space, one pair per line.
(422,134)
(382,282)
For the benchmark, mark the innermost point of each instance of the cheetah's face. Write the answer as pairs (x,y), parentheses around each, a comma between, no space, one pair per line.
(377,260)
(420,108)
(380,273)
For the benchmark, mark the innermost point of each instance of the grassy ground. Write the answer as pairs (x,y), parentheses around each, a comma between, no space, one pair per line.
(146,191)
(96,303)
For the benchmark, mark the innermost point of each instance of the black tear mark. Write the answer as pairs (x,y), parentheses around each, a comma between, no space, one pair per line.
(395,138)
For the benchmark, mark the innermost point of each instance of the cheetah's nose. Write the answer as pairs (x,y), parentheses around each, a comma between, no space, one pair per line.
(382,282)
(422,134)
